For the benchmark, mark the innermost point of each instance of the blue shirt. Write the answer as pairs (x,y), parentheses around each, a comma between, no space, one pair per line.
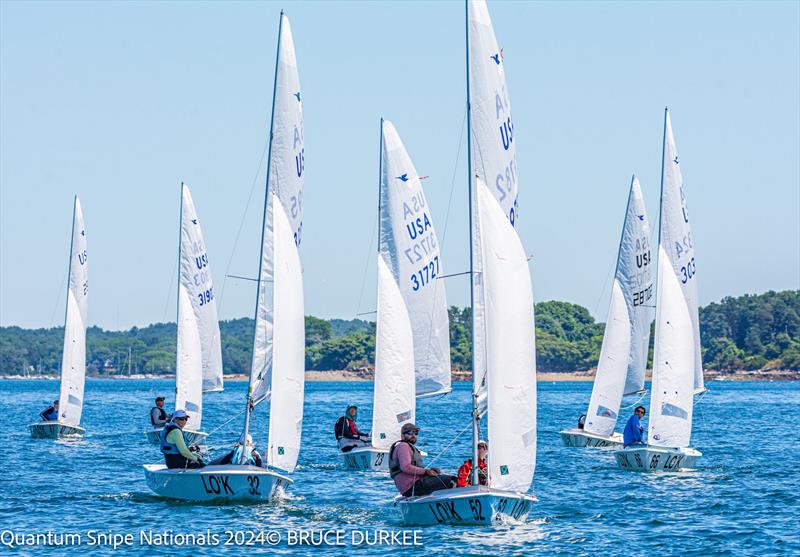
(50,414)
(633,431)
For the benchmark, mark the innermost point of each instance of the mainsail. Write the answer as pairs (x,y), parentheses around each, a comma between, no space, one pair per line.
(199,359)
(503,337)
(410,248)
(623,356)
(73,362)
(492,152)
(278,364)
(676,359)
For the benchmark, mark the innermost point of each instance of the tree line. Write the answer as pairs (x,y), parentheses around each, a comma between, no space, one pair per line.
(747,332)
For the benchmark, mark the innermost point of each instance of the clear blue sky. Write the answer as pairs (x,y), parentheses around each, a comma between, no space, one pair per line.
(119,102)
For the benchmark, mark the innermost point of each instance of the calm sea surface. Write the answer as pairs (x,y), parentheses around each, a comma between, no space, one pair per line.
(743,499)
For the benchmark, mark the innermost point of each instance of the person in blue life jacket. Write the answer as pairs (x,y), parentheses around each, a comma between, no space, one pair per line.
(159,416)
(50,414)
(634,432)
(173,444)
(251,456)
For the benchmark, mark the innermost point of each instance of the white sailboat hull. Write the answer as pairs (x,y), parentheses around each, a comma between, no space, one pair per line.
(366,459)
(228,482)
(197,438)
(55,430)
(465,506)
(646,458)
(582,438)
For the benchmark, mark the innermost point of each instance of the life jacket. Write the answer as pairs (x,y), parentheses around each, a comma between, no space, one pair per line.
(161,416)
(49,415)
(166,446)
(344,423)
(394,463)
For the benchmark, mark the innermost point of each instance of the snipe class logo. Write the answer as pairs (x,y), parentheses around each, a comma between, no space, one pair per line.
(640,217)
(297,95)
(402,177)
(497,57)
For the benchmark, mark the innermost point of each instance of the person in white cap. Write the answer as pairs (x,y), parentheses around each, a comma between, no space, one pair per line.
(173,444)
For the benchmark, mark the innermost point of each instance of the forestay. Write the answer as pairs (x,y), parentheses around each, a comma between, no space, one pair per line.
(410,248)
(623,356)
(285,171)
(510,348)
(394,403)
(73,361)
(493,152)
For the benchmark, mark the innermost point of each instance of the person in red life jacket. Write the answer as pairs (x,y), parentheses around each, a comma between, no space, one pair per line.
(465,472)
(407,470)
(347,433)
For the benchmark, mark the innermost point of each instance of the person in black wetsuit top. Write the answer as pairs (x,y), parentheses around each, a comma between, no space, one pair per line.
(347,433)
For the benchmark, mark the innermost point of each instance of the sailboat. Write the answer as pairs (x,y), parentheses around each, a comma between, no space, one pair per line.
(412,340)
(198,367)
(73,360)
(623,356)
(503,337)
(277,372)
(677,363)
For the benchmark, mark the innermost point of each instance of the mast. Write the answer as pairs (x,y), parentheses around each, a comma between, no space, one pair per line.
(380,177)
(249,407)
(69,279)
(178,297)
(476,419)
(658,248)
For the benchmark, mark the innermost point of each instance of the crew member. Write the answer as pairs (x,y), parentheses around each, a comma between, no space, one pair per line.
(408,471)
(159,416)
(50,414)
(634,432)
(347,433)
(173,444)
(465,472)
(251,456)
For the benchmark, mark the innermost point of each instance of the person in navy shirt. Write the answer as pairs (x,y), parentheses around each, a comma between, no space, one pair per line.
(50,414)
(634,432)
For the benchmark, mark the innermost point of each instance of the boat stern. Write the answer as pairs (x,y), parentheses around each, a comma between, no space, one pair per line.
(647,458)
(465,506)
(582,438)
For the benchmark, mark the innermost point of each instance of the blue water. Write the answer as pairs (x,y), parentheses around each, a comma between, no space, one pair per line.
(743,499)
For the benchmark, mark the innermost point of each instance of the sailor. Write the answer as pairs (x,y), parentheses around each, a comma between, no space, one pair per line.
(634,432)
(159,416)
(173,444)
(408,471)
(347,433)
(251,458)
(50,414)
(465,472)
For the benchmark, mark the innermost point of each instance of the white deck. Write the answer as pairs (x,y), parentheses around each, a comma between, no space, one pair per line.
(647,458)
(229,482)
(581,438)
(55,430)
(465,506)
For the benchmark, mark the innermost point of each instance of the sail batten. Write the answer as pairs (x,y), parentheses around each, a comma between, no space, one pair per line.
(73,359)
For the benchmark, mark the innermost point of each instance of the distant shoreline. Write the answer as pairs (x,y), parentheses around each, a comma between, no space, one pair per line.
(543,377)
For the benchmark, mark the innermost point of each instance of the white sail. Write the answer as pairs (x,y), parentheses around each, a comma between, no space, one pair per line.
(196,278)
(676,239)
(189,371)
(510,348)
(671,403)
(286,168)
(493,150)
(288,371)
(409,244)
(394,403)
(623,356)
(73,361)
(199,354)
